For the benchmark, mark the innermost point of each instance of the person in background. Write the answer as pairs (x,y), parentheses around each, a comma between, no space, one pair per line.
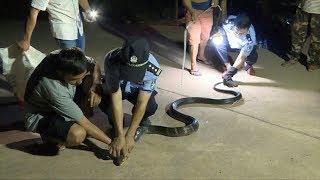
(199,20)
(65,22)
(307,18)
(237,33)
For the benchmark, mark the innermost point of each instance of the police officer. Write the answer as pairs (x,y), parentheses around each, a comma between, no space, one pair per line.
(131,72)
(236,33)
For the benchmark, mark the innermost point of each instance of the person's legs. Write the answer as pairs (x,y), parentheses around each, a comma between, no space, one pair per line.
(250,60)
(206,22)
(193,33)
(151,108)
(54,128)
(105,106)
(298,36)
(63,44)
(80,42)
(314,50)
(220,45)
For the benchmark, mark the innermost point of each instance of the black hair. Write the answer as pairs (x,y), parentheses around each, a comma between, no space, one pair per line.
(242,21)
(71,61)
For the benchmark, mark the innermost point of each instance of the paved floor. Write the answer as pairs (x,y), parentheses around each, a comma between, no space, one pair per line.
(273,133)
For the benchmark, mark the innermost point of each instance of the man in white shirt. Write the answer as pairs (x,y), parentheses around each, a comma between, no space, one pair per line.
(307,16)
(236,33)
(65,22)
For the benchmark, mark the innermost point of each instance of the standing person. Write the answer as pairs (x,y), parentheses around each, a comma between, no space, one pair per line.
(199,23)
(236,33)
(49,106)
(131,72)
(65,22)
(307,16)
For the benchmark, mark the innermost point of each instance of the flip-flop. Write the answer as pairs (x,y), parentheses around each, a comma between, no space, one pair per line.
(195,72)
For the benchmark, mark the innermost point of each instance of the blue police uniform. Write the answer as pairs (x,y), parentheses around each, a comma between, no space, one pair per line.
(130,90)
(229,40)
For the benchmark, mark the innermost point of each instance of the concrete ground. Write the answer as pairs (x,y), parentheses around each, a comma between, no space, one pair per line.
(274,133)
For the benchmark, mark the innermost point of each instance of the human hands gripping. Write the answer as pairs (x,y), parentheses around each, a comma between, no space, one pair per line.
(24,45)
(129,143)
(118,147)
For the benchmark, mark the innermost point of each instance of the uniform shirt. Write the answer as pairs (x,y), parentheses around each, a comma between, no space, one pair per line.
(236,41)
(149,80)
(310,6)
(46,95)
(64,17)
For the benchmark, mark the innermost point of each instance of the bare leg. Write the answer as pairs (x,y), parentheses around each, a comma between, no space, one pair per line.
(76,135)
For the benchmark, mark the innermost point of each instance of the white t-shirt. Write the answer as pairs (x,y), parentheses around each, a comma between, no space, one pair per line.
(64,17)
(310,6)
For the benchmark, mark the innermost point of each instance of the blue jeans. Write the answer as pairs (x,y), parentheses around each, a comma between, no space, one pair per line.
(80,42)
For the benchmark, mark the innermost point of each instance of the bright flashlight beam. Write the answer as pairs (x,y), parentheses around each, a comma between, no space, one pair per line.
(93,14)
(217,40)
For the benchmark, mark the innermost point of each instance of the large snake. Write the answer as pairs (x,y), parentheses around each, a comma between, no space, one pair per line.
(191,123)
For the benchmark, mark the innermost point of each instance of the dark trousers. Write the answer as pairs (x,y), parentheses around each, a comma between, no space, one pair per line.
(132,97)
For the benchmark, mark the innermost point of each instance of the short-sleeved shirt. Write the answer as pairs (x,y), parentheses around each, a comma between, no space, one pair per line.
(148,83)
(244,42)
(46,94)
(64,17)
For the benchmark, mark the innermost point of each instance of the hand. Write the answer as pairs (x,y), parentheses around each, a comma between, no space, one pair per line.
(24,45)
(130,143)
(193,15)
(94,99)
(118,146)
(90,15)
(214,3)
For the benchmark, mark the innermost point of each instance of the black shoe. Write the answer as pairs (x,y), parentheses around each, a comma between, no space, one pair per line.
(145,122)
(139,132)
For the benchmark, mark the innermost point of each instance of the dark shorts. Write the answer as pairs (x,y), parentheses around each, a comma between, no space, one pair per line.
(54,126)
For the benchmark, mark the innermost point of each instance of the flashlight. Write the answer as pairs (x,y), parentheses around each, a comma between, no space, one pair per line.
(217,40)
(93,14)
(90,15)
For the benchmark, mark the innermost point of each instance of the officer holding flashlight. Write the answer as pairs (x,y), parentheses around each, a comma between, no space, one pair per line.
(237,33)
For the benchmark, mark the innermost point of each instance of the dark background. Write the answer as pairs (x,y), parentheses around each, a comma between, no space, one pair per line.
(272,18)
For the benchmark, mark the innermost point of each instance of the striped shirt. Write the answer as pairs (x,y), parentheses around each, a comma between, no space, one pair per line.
(310,6)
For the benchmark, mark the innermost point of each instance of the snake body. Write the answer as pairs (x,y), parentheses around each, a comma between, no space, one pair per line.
(191,123)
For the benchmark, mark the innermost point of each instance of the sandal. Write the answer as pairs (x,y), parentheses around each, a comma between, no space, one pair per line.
(195,72)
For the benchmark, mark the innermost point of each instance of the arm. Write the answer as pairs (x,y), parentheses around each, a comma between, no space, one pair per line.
(94,131)
(118,145)
(95,95)
(215,3)
(138,112)
(30,25)
(187,4)
(84,4)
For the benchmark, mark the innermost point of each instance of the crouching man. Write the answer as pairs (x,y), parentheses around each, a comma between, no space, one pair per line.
(131,72)
(236,33)
(50,109)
